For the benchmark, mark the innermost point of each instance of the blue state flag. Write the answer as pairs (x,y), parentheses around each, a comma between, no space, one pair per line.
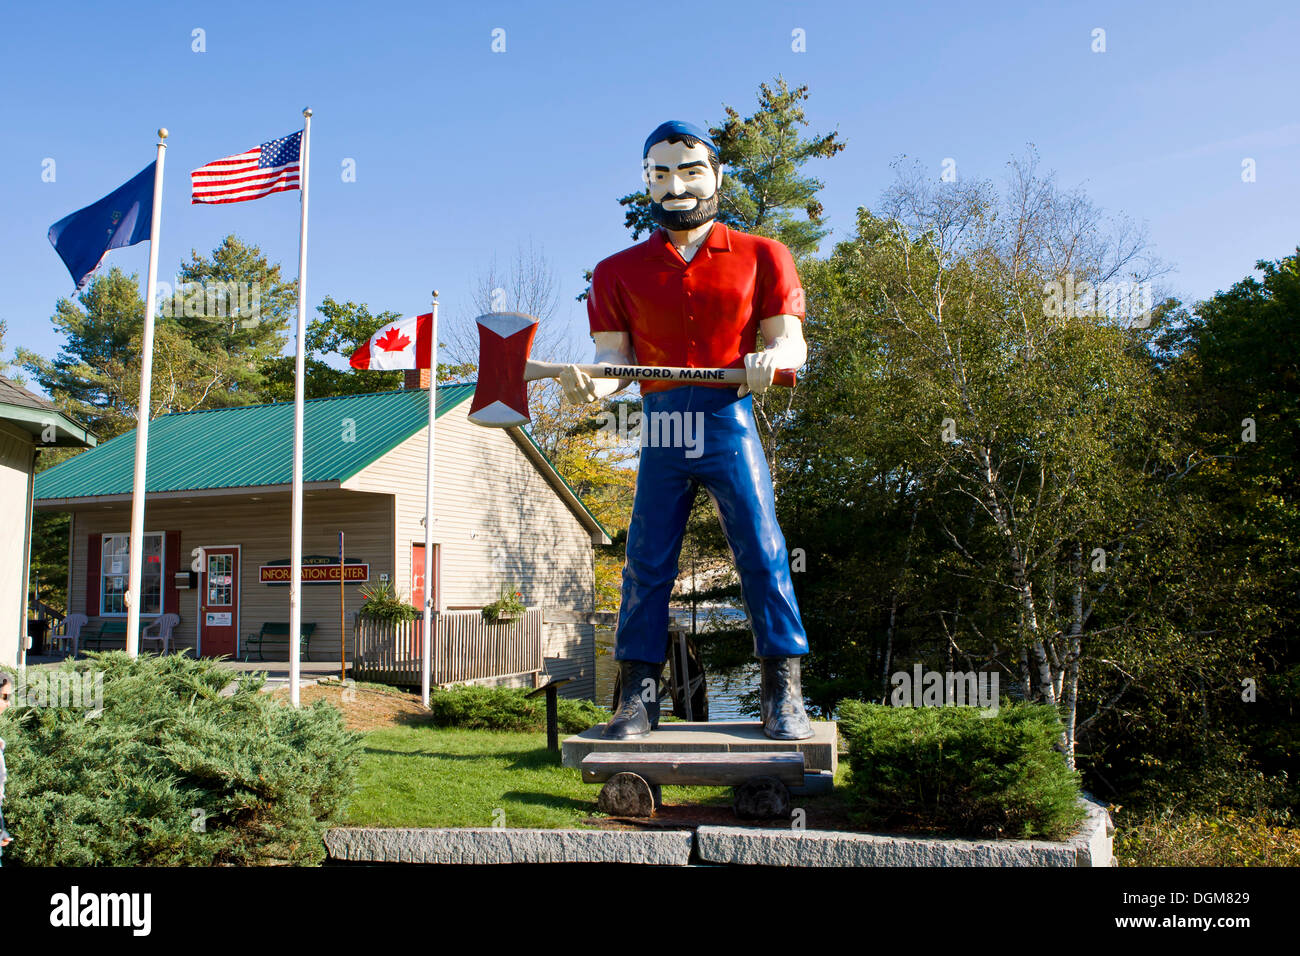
(122,218)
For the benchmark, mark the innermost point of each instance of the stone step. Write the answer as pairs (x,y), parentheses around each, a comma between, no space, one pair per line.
(820,751)
(695,769)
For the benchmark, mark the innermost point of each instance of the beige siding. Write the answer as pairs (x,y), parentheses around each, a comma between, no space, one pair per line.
(15,480)
(261,529)
(497,521)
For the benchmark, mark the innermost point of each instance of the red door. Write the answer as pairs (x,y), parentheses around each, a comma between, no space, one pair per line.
(219,602)
(417,576)
(417,589)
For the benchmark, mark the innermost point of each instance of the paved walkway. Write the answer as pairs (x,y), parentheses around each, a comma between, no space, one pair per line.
(277,672)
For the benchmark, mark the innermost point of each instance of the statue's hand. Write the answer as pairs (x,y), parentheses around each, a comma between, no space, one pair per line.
(760,370)
(579,387)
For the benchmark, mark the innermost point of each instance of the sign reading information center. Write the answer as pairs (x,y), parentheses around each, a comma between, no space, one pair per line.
(317,569)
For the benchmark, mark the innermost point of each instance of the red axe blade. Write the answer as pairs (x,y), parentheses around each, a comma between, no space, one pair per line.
(501,396)
(504,371)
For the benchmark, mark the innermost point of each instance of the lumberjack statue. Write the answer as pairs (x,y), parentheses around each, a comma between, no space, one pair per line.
(695,295)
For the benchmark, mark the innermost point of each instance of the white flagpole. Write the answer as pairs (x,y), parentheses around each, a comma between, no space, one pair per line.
(426,663)
(136,553)
(299,388)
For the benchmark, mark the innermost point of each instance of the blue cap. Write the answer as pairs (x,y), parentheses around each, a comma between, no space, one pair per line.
(677,127)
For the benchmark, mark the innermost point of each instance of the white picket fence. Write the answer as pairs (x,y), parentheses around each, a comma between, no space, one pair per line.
(467,648)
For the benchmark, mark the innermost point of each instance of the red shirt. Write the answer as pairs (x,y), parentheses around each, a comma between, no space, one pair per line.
(701,314)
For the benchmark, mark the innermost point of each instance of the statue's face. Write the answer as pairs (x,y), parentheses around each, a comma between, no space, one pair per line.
(682,185)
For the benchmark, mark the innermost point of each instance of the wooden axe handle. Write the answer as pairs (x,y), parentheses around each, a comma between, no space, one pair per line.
(655,373)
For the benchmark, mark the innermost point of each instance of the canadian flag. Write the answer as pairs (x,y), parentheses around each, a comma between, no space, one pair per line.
(400,344)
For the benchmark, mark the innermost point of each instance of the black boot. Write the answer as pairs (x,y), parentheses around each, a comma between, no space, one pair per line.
(635,716)
(764,695)
(783,715)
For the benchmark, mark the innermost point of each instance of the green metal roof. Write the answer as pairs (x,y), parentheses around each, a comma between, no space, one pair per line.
(252,445)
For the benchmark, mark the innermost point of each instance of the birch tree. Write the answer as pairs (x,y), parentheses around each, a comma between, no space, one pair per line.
(1021,433)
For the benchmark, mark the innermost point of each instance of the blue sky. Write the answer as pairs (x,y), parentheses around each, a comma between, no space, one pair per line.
(462,154)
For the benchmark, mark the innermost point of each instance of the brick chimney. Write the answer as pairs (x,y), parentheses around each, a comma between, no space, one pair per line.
(416,378)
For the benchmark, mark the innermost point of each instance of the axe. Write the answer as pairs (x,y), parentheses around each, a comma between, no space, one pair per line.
(504,370)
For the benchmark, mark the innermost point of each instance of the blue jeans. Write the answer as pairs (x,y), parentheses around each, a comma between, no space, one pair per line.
(717,446)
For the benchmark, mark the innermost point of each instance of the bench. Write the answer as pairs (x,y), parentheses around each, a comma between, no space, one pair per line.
(552,692)
(95,633)
(277,632)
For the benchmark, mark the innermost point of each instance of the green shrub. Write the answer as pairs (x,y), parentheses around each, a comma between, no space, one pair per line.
(500,708)
(578,715)
(953,769)
(171,772)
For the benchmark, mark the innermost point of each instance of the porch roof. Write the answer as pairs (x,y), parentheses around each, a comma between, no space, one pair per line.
(41,418)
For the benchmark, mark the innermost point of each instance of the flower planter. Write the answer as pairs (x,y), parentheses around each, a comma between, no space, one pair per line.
(507,608)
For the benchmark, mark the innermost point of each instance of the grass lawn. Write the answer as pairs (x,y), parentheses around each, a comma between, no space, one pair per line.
(413,774)
(434,777)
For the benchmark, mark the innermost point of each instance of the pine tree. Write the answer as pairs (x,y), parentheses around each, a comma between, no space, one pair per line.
(95,376)
(214,330)
(234,307)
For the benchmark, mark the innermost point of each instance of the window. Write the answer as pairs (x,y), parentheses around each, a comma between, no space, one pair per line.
(115,568)
(221,569)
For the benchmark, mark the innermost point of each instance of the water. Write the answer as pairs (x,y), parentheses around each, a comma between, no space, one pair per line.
(725,687)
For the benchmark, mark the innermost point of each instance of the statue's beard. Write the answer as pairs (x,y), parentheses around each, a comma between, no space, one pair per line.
(680,220)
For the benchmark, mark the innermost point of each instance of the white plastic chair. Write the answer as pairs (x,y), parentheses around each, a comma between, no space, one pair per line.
(160,630)
(68,632)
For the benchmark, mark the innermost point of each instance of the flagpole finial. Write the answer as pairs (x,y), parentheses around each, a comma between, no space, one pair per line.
(162,133)
(306,111)
(435,293)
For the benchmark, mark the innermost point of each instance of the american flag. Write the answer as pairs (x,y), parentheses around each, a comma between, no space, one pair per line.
(252,174)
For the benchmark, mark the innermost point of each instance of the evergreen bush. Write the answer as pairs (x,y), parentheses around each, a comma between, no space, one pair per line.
(473,707)
(174,770)
(959,770)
